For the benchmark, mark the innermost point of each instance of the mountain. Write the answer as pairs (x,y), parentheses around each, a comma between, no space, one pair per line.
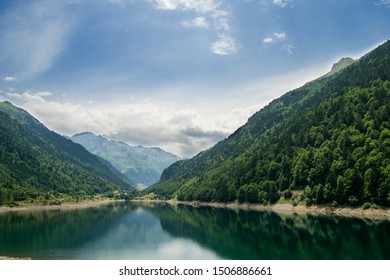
(326,142)
(141,165)
(36,162)
(341,64)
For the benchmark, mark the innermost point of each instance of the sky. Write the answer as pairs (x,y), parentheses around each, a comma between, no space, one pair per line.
(177,74)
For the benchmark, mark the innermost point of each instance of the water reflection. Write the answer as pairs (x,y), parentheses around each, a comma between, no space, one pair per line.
(267,235)
(114,231)
(163,231)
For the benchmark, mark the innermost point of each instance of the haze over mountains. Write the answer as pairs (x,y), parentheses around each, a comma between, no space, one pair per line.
(143,166)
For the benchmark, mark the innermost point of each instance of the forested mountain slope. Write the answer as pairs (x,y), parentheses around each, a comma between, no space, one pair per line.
(35,161)
(330,138)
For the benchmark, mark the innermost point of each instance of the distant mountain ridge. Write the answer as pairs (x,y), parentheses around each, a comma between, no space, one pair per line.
(35,161)
(141,165)
(326,142)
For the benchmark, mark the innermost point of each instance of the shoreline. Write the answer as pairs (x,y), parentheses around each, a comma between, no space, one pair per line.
(65,206)
(7,258)
(280,208)
(289,209)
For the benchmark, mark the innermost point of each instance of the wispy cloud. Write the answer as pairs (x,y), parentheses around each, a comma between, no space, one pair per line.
(275,37)
(209,11)
(383,3)
(199,22)
(43,93)
(34,36)
(289,48)
(28,96)
(202,6)
(10,79)
(279,37)
(280,3)
(224,46)
(222,23)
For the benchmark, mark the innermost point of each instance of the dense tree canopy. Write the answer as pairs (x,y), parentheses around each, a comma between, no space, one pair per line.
(36,162)
(330,139)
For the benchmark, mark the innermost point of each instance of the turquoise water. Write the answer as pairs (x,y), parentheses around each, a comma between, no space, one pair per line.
(162,231)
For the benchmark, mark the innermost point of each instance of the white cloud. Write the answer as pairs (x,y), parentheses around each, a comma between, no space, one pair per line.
(224,46)
(222,24)
(383,3)
(280,3)
(219,13)
(176,127)
(43,93)
(10,79)
(268,40)
(275,37)
(183,131)
(165,4)
(27,96)
(202,6)
(280,36)
(200,22)
(211,8)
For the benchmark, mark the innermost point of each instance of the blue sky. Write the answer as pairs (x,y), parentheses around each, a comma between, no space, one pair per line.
(179,74)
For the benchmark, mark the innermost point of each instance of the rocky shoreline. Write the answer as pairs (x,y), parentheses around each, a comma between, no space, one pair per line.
(5,258)
(65,206)
(284,208)
(281,208)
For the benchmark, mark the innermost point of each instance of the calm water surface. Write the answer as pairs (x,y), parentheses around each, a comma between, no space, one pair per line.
(162,231)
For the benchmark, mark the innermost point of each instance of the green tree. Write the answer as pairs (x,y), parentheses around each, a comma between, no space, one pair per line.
(287,194)
(241,195)
(252,194)
(232,193)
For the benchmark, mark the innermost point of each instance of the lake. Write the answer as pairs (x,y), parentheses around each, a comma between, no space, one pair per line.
(137,230)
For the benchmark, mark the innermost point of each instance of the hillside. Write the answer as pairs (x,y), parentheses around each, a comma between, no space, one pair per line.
(141,165)
(328,141)
(36,162)
(340,65)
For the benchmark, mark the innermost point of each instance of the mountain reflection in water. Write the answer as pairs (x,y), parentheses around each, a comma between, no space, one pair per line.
(139,230)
